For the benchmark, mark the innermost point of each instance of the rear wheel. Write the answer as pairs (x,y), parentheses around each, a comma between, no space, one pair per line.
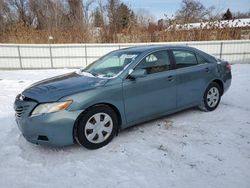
(97,127)
(211,98)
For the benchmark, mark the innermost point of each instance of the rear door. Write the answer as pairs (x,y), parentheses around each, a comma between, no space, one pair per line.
(193,73)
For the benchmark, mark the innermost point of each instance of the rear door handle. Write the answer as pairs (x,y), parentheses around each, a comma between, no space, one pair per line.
(170,78)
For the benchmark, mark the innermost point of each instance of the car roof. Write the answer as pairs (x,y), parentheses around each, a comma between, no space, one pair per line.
(149,48)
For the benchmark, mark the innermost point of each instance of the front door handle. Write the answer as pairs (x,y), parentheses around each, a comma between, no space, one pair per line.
(207,69)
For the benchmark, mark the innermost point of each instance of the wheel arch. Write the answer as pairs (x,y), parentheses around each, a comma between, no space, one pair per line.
(220,83)
(113,107)
(116,110)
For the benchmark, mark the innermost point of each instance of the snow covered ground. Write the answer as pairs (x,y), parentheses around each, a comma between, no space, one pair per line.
(187,149)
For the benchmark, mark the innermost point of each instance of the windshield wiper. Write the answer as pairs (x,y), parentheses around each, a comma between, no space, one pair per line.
(92,73)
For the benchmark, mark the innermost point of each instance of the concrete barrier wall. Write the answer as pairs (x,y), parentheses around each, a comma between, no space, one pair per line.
(32,56)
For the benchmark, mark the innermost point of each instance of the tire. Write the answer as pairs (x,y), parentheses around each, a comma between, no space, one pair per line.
(211,97)
(96,127)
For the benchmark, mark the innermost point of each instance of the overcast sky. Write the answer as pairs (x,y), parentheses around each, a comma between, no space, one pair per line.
(160,7)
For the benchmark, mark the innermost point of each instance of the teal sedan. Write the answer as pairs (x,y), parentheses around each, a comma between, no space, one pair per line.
(121,89)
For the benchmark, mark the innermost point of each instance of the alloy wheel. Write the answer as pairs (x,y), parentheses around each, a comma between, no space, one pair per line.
(213,96)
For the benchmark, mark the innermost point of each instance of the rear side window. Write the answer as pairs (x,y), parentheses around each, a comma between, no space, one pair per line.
(184,58)
(155,62)
(200,59)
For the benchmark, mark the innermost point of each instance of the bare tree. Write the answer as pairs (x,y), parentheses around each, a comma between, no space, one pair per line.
(86,10)
(22,9)
(3,9)
(144,17)
(103,31)
(193,11)
(113,15)
(239,15)
(98,20)
(76,12)
(5,14)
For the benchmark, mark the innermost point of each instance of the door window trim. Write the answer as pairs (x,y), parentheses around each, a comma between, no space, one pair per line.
(186,50)
(172,67)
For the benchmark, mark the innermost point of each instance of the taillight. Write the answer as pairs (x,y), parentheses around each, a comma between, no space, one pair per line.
(228,66)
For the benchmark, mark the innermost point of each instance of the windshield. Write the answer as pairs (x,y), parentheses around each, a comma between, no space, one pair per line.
(111,64)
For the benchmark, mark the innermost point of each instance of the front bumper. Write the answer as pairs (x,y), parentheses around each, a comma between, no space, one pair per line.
(46,129)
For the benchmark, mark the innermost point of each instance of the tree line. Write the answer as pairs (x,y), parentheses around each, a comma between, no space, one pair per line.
(42,21)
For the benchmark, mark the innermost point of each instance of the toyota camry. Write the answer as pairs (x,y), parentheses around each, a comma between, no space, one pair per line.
(123,88)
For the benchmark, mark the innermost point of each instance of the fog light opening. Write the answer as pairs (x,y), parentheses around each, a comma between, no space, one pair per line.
(43,138)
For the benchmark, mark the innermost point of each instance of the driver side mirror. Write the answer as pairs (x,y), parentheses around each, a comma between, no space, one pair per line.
(139,73)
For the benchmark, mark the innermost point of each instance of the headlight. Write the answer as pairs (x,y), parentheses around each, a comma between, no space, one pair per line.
(51,107)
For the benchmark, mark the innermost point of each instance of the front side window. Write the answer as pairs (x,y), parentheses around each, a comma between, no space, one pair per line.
(184,58)
(155,62)
(111,64)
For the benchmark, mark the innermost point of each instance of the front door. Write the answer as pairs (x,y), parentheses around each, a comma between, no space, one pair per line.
(153,94)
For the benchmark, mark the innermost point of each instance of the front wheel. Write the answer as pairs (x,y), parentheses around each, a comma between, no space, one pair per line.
(97,127)
(211,98)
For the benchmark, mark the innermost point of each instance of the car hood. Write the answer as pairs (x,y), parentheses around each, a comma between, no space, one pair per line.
(52,89)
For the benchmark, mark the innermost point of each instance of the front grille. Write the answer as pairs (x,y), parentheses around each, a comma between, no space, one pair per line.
(21,110)
(24,107)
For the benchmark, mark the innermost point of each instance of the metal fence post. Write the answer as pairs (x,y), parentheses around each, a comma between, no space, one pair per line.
(19,56)
(221,49)
(51,57)
(86,55)
(244,53)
